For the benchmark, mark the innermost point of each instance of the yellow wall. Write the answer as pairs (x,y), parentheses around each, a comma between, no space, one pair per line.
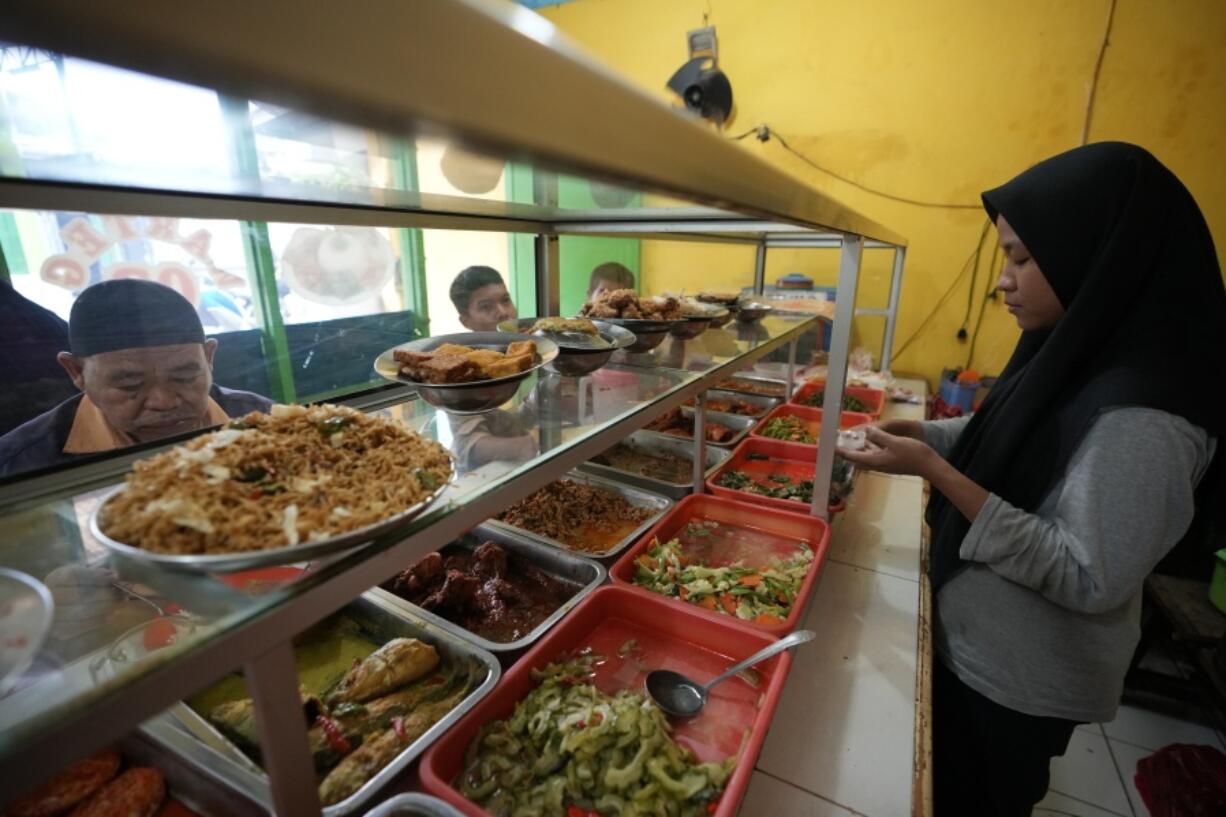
(933,100)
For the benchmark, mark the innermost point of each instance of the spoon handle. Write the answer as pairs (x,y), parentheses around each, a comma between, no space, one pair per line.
(798,637)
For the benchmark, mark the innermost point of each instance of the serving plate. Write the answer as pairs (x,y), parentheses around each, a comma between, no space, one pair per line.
(26,610)
(648,334)
(476,396)
(234,562)
(575,361)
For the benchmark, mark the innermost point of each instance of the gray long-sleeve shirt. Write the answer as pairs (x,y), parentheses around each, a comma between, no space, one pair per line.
(1046,617)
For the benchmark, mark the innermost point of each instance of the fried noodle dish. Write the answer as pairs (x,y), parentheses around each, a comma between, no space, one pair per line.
(301,474)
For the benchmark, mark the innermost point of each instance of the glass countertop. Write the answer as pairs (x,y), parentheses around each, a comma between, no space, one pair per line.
(115,621)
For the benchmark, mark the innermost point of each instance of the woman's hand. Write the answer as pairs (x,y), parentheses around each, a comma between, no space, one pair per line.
(894,453)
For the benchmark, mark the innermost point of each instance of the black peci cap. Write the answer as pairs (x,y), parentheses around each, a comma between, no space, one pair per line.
(131,314)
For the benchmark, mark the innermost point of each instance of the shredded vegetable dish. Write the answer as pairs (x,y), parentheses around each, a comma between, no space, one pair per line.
(788,427)
(570,748)
(268,481)
(763,596)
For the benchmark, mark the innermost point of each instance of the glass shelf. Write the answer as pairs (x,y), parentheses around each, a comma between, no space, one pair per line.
(100,599)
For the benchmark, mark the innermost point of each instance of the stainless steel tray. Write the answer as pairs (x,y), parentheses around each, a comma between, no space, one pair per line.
(414,805)
(566,565)
(770,380)
(635,496)
(247,560)
(187,765)
(383,621)
(740,424)
(652,442)
(764,403)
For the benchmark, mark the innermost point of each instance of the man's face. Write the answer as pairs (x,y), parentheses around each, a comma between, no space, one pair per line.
(148,393)
(489,306)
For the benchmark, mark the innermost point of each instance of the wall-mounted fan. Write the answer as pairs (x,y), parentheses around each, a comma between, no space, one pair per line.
(701,85)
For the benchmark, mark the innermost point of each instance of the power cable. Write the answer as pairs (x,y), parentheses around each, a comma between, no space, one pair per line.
(970,291)
(990,295)
(940,303)
(1098,67)
(764,133)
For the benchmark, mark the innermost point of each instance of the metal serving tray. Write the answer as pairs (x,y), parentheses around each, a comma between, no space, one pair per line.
(635,496)
(566,565)
(652,442)
(414,805)
(737,422)
(382,621)
(186,764)
(763,403)
(770,380)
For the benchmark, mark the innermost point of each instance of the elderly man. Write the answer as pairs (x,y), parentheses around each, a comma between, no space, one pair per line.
(139,356)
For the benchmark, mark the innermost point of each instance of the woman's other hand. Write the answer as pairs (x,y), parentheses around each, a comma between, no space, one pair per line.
(894,447)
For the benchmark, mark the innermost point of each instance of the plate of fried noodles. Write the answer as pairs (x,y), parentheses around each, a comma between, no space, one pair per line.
(273,488)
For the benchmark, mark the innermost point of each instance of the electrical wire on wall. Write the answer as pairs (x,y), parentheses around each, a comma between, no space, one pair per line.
(764,133)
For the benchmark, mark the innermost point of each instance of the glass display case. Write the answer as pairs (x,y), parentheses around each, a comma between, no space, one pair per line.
(309,186)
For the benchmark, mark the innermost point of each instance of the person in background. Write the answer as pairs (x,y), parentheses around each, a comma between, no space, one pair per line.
(608,277)
(143,366)
(482,299)
(30,337)
(1089,460)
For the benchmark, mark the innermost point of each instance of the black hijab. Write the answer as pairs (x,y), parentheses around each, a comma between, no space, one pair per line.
(1124,246)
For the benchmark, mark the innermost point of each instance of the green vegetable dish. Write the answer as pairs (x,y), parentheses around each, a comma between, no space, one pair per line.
(849,403)
(788,427)
(763,596)
(570,748)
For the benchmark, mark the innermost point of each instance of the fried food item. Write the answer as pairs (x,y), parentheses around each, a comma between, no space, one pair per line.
(580,325)
(624,303)
(398,662)
(136,793)
(68,788)
(236,719)
(365,761)
(716,297)
(572,511)
(453,363)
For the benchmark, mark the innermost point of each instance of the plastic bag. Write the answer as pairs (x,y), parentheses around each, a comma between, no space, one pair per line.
(1183,780)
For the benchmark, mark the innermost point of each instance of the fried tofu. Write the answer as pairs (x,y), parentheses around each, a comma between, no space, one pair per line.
(453,363)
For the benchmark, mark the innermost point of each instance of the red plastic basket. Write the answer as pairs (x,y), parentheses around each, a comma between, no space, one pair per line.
(812,417)
(682,638)
(798,527)
(796,460)
(873,398)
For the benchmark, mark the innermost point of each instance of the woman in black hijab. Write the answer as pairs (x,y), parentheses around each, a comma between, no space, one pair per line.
(1089,460)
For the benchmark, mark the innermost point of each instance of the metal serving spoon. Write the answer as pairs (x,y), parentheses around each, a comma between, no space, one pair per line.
(683,698)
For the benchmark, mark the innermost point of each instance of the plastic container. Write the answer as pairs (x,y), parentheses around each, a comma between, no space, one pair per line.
(672,638)
(798,527)
(762,455)
(874,399)
(812,419)
(1217,585)
(957,395)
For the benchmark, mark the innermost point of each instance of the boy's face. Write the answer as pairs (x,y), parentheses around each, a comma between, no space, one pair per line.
(489,306)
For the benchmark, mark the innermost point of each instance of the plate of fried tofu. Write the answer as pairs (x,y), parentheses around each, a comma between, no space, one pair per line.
(469,372)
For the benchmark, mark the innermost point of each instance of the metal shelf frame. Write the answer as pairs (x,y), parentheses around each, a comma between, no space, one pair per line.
(411,78)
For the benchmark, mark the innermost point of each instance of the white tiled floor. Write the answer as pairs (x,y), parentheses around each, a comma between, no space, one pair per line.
(1096,775)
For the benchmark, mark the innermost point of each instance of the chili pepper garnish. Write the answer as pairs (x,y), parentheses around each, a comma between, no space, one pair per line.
(333,733)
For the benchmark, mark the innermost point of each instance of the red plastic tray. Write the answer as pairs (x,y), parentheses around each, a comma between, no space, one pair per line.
(797,460)
(675,638)
(795,526)
(812,417)
(873,398)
